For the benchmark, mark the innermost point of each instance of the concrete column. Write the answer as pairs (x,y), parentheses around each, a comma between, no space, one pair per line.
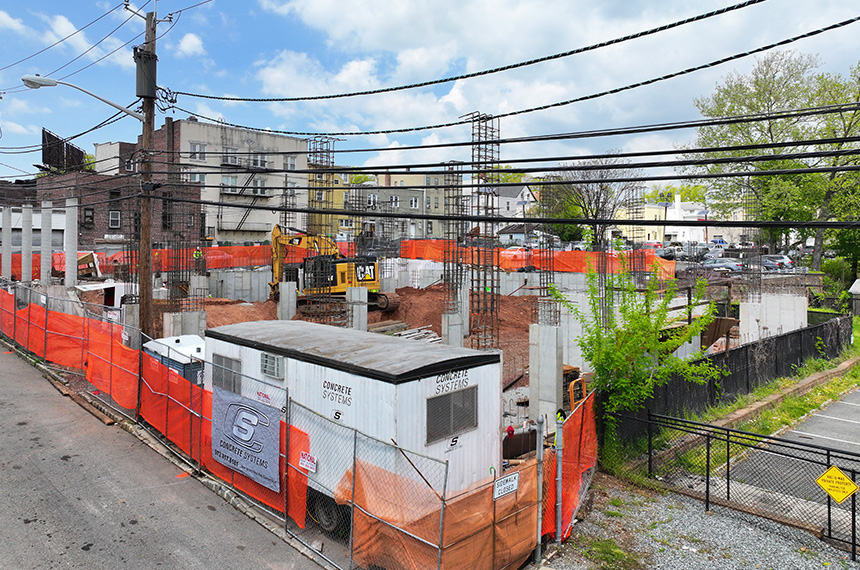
(464,305)
(545,372)
(45,236)
(287,300)
(199,286)
(27,243)
(356,298)
(70,244)
(452,329)
(6,250)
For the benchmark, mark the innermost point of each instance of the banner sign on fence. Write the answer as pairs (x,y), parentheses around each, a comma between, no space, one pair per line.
(246,437)
(837,484)
(506,485)
(308,462)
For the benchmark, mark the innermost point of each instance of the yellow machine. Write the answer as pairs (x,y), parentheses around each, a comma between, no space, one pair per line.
(325,269)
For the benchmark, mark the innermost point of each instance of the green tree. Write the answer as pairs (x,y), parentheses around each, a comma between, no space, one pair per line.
(780,81)
(589,190)
(507,175)
(629,338)
(688,193)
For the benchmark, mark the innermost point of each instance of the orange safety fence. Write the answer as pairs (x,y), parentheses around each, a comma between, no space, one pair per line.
(396,521)
(579,454)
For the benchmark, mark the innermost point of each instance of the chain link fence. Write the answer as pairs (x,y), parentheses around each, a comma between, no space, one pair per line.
(768,476)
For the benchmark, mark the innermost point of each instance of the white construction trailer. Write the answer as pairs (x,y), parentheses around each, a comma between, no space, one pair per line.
(436,400)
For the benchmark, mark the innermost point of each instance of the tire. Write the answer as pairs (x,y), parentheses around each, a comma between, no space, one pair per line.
(326,512)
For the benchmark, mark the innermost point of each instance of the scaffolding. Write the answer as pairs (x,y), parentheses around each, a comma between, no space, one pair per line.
(320,305)
(483,253)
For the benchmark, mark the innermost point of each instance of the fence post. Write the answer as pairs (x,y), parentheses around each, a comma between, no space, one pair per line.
(539,487)
(829,505)
(728,465)
(559,450)
(352,497)
(442,519)
(650,446)
(853,519)
(708,471)
(45,344)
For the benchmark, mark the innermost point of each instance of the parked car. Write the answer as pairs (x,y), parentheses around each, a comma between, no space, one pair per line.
(722,264)
(666,253)
(784,261)
(766,264)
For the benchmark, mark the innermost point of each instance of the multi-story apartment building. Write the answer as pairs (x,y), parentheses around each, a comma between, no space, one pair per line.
(237,171)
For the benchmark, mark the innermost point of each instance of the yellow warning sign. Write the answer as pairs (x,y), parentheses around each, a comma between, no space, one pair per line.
(837,484)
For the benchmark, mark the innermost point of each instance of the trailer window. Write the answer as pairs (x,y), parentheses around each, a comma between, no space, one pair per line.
(452,413)
(227,373)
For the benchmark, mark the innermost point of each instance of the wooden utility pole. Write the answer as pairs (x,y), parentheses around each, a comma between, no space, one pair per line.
(142,54)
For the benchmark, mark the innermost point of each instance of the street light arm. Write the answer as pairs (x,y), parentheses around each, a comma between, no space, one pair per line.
(36,81)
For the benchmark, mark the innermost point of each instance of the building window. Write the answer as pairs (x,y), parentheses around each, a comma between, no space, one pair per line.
(198,151)
(197,177)
(347,223)
(451,414)
(258,160)
(289,162)
(371,200)
(427,181)
(435,182)
(291,188)
(230,184)
(114,219)
(427,204)
(320,196)
(394,201)
(88,220)
(227,373)
(230,156)
(272,365)
(129,165)
(258,187)
(429,227)
(413,202)
(436,202)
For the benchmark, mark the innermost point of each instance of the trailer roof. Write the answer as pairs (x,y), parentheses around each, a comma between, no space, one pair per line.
(374,355)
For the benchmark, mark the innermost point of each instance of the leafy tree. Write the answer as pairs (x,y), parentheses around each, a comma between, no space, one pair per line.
(688,193)
(629,338)
(780,81)
(588,190)
(507,175)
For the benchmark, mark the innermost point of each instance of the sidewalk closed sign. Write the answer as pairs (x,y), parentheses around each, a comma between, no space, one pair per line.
(837,484)
(506,485)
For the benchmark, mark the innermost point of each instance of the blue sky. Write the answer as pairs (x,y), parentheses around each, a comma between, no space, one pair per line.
(281,48)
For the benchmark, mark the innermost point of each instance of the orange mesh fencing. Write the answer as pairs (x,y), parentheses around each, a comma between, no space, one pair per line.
(396,521)
(7,313)
(110,366)
(297,478)
(65,339)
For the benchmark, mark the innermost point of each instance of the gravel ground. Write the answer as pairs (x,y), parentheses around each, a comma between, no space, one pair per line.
(626,528)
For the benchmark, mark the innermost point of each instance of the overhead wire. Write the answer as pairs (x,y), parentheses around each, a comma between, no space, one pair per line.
(485,72)
(61,40)
(557,104)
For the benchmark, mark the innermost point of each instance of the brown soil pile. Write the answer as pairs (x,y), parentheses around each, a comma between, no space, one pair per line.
(418,307)
(220,312)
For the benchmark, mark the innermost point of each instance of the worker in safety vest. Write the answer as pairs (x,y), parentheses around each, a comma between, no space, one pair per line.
(198,258)
(559,416)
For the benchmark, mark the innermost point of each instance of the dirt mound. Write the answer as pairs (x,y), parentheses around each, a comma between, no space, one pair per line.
(220,312)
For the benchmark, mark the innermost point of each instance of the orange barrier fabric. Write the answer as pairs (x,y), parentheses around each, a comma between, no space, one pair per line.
(65,339)
(110,366)
(7,312)
(297,478)
(478,533)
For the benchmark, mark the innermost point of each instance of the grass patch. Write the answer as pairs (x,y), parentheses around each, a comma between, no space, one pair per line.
(615,502)
(613,514)
(608,555)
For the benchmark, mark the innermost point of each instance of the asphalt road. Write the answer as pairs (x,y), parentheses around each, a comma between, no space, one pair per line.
(75,493)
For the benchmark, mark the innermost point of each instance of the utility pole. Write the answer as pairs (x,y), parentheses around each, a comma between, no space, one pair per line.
(146,86)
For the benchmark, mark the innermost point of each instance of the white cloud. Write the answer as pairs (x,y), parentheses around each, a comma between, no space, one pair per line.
(190,46)
(15,129)
(7,22)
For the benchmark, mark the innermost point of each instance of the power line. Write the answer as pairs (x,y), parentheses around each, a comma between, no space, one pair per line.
(550,105)
(58,42)
(509,67)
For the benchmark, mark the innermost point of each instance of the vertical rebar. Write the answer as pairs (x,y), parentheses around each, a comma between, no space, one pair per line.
(708,471)
(539,486)
(559,451)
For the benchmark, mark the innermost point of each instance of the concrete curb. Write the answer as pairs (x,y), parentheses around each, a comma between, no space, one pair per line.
(109,417)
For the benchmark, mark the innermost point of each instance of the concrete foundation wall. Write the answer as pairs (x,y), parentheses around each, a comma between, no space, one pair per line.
(244,285)
(773,315)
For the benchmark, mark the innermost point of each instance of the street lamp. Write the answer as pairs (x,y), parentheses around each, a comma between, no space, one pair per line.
(145,246)
(36,81)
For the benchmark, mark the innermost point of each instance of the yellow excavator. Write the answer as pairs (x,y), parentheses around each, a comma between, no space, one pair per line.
(325,269)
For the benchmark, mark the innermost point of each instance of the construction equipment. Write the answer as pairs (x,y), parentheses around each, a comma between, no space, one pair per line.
(326,270)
